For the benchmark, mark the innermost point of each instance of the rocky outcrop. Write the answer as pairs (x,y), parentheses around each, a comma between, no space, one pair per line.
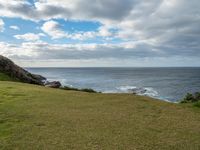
(11,69)
(54,84)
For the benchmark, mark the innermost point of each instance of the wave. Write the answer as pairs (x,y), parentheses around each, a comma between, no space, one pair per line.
(145,91)
(61,80)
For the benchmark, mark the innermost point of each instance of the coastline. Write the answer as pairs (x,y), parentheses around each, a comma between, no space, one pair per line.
(163,83)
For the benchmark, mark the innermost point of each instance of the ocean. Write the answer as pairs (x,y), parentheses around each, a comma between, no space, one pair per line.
(170,84)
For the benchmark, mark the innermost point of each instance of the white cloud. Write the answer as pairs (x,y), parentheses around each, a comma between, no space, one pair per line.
(124,54)
(16,51)
(1,25)
(136,19)
(78,9)
(104,31)
(29,36)
(14,27)
(126,50)
(52,28)
(160,27)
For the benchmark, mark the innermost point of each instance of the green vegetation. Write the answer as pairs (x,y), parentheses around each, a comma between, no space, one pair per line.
(76,89)
(191,98)
(197,104)
(34,117)
(4,77)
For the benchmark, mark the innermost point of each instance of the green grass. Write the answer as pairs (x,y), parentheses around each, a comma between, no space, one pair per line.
(197,104)
(38,118)
(4,77)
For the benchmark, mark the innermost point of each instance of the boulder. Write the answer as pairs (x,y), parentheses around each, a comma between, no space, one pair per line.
(14,71)
(54,84)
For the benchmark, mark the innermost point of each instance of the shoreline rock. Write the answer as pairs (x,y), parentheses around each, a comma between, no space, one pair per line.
(53,84)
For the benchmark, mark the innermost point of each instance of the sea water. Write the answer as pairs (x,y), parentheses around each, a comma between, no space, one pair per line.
(169,84)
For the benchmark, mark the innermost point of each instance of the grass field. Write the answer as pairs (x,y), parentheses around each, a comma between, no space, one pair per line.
(39,118)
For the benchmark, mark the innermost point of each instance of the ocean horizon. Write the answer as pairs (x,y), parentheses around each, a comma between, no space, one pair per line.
(164,83)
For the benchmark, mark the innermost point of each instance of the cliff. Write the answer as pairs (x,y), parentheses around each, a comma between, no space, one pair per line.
(9,68)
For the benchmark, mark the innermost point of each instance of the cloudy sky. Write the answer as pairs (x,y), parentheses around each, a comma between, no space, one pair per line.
(80,33)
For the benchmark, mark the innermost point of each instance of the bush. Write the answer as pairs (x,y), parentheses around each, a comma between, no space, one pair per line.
(69,88)
(197,96)
(88,90)
(190,98)
(76,89)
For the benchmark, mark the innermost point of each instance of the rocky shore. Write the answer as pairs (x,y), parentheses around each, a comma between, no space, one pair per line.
(14,71)
(17,73)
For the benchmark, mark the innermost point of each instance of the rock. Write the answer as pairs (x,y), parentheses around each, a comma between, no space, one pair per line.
(139,91)
(38,77)
(54,84)
(14,71)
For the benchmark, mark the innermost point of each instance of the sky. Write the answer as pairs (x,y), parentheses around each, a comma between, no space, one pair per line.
(100,33)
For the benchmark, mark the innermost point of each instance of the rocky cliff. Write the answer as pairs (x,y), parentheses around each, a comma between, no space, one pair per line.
(14,71)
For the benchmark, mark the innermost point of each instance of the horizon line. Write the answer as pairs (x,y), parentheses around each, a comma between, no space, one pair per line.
(122,67)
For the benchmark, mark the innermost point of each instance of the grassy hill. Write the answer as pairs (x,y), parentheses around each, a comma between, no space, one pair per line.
(34,117)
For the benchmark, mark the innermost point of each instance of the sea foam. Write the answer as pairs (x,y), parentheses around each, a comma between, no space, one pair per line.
(146,91)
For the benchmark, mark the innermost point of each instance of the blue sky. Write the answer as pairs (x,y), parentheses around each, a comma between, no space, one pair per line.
(27,26)
(73,33)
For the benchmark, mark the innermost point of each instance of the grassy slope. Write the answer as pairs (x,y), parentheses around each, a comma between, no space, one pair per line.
(4,77)
(33,117)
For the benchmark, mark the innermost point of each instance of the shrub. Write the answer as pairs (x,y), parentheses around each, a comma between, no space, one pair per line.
(88,90)
(76,89)
(197,96)
(190,98)
(69,88)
